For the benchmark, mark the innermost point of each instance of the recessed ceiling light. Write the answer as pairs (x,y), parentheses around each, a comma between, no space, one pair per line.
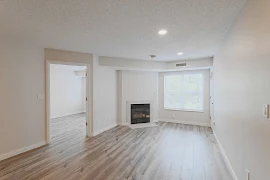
(180,54)
(163,32)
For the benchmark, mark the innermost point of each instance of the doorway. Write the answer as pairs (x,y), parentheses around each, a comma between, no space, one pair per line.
(67,102)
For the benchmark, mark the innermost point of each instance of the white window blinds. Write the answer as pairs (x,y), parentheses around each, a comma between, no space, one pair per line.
(184,92)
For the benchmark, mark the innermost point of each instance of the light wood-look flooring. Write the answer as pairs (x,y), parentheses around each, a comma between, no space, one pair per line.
(167,152)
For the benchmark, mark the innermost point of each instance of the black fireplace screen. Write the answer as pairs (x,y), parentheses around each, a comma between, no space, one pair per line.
(140,113)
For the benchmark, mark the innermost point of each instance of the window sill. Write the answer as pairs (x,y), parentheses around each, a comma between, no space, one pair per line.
(186,110)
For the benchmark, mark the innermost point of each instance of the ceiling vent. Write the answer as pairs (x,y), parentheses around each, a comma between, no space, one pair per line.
(181,65)
(152,56)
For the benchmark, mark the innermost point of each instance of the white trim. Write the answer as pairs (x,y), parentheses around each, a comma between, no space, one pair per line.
(88,103)
(21,150)
(47,104)
(123,124)
(68,114)
(104,129)
(185,122)
(201,110)
(212,115)
(225,157)
(181,109)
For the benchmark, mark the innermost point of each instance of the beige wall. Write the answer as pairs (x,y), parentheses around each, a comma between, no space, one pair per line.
(199,118)
(191,64)
(137,86)
(242,86)
(22,79)
(68,56)
(131,64)
(124,63)
(104,97)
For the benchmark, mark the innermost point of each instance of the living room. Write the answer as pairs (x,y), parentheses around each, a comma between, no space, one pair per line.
(171,89)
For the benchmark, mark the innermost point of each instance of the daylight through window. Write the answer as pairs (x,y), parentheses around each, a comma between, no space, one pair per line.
(184,92)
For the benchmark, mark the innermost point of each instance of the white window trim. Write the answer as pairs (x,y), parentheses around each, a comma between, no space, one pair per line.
(183,109)
(187,110)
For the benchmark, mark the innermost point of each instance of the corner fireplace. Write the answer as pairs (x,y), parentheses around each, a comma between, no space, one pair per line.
(140,113)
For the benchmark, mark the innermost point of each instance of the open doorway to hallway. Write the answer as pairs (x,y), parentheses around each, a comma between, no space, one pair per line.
(67,101)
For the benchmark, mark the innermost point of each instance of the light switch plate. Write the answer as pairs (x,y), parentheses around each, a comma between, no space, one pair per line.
(40,96)
(266,111)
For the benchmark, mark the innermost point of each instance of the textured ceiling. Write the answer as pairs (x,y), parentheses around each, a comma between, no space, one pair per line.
(122,28)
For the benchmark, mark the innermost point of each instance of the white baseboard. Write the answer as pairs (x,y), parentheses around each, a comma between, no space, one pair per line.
(225,158)
(90,135)
(123,124)
(185,122)
(22,150)
(67,114)
(104,129)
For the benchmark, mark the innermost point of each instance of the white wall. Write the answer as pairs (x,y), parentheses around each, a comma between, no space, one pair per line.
(67,91)
(137,86)
(104,97)
(139,65)
(242,86)
(22,121)
(200,118)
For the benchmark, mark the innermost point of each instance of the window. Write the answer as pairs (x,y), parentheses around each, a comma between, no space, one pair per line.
(184,92)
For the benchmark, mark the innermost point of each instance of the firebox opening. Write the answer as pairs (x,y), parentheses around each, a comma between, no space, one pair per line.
(140,113)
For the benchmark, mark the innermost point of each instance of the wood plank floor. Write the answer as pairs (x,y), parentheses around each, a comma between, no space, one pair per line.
(167,152)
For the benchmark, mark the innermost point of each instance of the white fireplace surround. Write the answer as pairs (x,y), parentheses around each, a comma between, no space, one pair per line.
(128,110)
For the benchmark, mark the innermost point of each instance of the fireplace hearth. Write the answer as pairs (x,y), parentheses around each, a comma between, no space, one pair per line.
(140,113)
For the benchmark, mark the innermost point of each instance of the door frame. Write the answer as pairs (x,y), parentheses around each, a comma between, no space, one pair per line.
(48,106)
(212,98)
